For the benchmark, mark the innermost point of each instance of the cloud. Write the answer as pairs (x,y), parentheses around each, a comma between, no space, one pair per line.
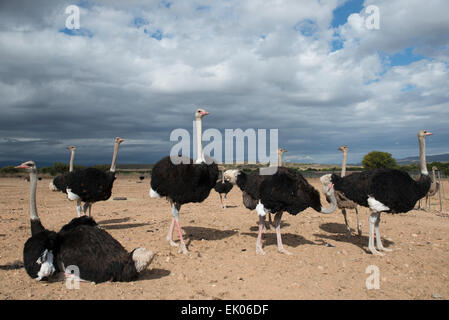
(140,69)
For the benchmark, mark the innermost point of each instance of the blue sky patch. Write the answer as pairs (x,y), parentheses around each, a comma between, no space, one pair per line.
(342,12)
(138,22)
(81,32)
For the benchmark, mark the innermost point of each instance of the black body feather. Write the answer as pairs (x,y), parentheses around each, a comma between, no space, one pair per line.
(60,182)
(183,182)
(223,187)
(91,184)
(393,188)
(95,252)
(287,190)
(82,243)
(34,247)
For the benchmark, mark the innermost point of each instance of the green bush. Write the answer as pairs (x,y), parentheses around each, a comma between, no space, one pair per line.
(378,159)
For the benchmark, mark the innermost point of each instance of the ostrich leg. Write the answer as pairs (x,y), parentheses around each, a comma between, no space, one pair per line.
(372,221)
(221,200)
(175,221)
(224,201)
(378,239)
(359,224)
(277,223)
(78,207)
(348,229)
(259,249)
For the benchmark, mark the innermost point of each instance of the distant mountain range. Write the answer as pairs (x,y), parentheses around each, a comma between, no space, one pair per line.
(435,158)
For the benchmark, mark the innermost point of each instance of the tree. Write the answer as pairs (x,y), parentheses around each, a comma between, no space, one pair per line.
(378,159)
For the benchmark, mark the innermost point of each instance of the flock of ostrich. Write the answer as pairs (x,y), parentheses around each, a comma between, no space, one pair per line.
(100,257)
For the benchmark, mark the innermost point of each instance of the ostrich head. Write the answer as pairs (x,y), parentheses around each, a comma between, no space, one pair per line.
(119,140)
(200,113)
(326,181)
(142,258)
(29,166)
(281,151)
(343,148)
(424,133)
(231,175)
(71,148)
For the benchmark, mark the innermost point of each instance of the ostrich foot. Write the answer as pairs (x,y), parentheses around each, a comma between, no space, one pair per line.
(172,243)
(359,230)
(183,249)
(348,234)
(382,248)
(282,250)
(259,250)
(375,252)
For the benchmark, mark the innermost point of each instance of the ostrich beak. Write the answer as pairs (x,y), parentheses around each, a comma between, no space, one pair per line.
(22,166)
(204,113)
(429,133)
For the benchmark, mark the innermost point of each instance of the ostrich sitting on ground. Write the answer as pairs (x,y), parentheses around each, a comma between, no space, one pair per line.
(286,190)
(81,243)
(183,181)
(385,190)
(223,187)
(344,203)
(91,185)
(434,187)
(59,183)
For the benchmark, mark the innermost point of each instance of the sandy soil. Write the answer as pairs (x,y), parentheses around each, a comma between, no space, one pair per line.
(223,263)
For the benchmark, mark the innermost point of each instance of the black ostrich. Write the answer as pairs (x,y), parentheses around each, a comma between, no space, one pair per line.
(222,187)
(286,190)
(79,243)
(59,183)
(91,184)
(385,190)
(182,181)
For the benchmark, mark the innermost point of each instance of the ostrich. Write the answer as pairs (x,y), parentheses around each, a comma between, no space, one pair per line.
(248,200)
(59,182)
(385,190)
(91,185)
(184,181)
(81,243)
(223,187)
(286,190)
(344,203)
(434,187)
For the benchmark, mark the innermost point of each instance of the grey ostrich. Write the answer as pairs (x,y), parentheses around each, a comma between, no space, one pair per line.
(384,190)
(434,187)
(344,203)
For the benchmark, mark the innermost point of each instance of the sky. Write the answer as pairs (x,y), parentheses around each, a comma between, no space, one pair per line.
(324,73)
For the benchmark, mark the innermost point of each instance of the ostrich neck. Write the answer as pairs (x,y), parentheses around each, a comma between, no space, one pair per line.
(72,157)
(422,156)
(280,159)
(343,164)
(33,187)
(114,157)
(222,176)
(199,145)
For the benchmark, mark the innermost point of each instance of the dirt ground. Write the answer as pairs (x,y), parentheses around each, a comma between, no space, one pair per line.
(223,263)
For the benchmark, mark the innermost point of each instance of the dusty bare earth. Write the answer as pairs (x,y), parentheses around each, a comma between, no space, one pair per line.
(223,263)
